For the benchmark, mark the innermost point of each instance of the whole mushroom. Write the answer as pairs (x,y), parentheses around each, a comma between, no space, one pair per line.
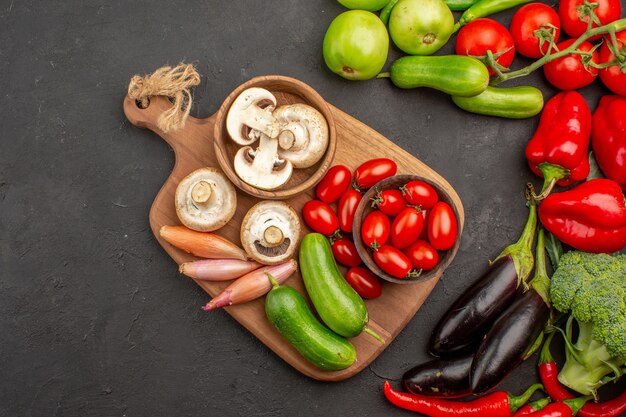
(303,136)
(270,232)
(205,200)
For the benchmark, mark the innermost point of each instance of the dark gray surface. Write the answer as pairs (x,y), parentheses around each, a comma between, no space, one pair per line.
(95,319)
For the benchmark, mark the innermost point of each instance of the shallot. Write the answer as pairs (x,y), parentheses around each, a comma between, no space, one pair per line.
(217,269)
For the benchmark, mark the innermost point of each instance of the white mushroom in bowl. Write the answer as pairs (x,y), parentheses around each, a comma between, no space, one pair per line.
(270,232)
(205,200)
(250,115)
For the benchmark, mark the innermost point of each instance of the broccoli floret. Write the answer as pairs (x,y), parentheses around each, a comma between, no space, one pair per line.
(592,289)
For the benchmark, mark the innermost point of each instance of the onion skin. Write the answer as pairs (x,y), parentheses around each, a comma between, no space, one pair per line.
(217,269)
(252,285)
(202,244)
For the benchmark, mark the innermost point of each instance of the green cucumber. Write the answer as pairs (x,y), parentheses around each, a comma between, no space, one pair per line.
(459,5)
(289,313)
(457,75)
(518,102)
(336,302)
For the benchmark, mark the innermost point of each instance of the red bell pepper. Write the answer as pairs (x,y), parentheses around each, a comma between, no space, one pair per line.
(608,138)
(558,149)
(590,217)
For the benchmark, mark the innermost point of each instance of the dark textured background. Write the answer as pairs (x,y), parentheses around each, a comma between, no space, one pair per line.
(94,317)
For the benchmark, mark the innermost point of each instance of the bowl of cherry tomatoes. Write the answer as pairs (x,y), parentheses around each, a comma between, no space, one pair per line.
(406,229)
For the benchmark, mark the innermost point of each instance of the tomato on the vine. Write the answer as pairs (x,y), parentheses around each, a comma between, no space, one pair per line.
(406,227)
(320,217)
(613,77)
(364,282)
(391,202)
(420,193)
(334,184)
(393,261)
(442,226)
(374,170)
(375,229)
(528,19)
(569,72)
(346,209)
(482,35)
(422,255)
(345,252)
(606,11)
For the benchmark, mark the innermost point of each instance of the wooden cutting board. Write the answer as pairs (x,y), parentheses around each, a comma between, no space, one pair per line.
(356,143)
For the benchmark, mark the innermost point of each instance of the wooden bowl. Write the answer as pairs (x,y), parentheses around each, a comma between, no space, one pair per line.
(365,207)
(287,91)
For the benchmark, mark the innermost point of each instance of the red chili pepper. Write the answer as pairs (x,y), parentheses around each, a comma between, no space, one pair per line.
(590,217)
(532,407)
(567,408)
(495,404)
(558,149)
(549,372)
(608,137)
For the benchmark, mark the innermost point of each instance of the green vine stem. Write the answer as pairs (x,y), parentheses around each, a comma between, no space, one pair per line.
(610,28)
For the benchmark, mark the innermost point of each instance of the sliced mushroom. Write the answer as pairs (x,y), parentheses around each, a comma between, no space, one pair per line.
(303,136)
(205,200)
(251,114)
(262,168)
(270,232)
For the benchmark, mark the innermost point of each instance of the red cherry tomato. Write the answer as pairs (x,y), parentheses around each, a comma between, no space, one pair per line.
(607,11)
(424,234)
(320,217)
(420,193)
(422,255)
(374,170)
(612,76)
(442,226)
(389,202)
(406,228)
(528,19)
(347,207)
(375,229)
(345,252)
(482,35)
(334,184)
(364,282)
(568,72)
(393,261)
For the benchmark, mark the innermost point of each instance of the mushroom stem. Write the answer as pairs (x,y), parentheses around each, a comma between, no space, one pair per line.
(286,139)
(201,192)
(273,236)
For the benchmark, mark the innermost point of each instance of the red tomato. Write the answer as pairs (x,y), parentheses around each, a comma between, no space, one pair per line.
(374,170)
(345,252)
(424,234)
(389,202)
(442,226)
(568,72)
(347,207)
(320,217)
(612,76)
(482,35)
(334,184)
(422,255)
(607,12)
(392,261)
(375,229)
(420,193)
(406,228)
(364,282)
(528,19)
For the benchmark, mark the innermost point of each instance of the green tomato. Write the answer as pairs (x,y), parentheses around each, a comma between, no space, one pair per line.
(420,27)
(356,45)
(370,5)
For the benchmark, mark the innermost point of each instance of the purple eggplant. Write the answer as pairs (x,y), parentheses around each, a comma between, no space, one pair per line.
(470,316)
(444,378)
(515,333)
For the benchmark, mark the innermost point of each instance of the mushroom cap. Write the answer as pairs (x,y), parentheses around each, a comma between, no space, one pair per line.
(303,134)
(264,222)
(205,200)
(262,168)
(251,113)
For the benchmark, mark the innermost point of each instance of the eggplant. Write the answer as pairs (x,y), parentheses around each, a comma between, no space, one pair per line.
(515,333)
(470,316)
(444,378)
